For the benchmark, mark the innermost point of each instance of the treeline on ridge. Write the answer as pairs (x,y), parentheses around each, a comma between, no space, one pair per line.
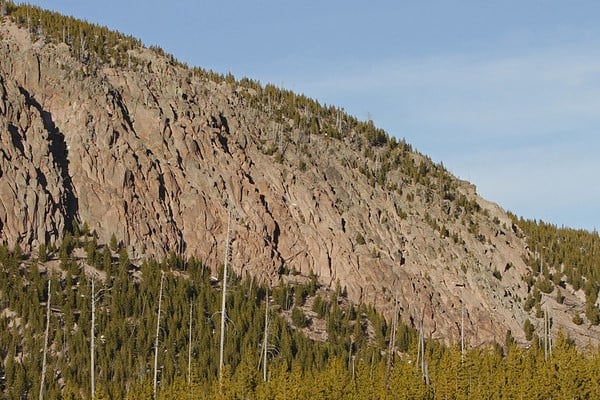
(562,256)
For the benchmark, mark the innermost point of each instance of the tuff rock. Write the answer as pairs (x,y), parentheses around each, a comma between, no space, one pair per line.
(159,156)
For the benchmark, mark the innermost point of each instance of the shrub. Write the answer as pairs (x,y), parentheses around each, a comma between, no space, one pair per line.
(592,313)
(529,303)
(360,239)
(43,253)
(529,329)
(319,306)
(300,293)
(298,318)
(545,285)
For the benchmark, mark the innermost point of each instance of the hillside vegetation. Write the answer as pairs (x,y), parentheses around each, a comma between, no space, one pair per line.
(564,256)
(353,362)
(119,164)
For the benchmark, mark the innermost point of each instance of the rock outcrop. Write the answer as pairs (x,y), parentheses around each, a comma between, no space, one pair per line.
(157,154)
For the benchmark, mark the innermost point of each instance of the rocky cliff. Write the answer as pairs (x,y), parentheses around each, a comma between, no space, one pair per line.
(157,153)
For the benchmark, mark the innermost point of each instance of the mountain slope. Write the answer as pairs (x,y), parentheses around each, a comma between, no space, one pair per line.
(156,153)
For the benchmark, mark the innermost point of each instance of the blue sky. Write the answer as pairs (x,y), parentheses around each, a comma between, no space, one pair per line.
(505,93)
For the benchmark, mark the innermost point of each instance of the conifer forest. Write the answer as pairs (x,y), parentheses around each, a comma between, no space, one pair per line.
(363,356)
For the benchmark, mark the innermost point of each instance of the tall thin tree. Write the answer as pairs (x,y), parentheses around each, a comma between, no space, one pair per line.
(162,276)
(224,299)
(189,377)
(462,330)
(266,336)
(43,379)
(421,361)
(547,339)
(424,365)
(92,342)
(392,345)
(462,320)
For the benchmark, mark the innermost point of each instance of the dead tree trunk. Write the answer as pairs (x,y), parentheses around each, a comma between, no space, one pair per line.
(392,346)
(162,276)
(92,341)
(223,300)
(43,380)
(265,339)
(190,348)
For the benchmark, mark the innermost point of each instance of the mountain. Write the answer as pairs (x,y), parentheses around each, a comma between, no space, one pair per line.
(98,130)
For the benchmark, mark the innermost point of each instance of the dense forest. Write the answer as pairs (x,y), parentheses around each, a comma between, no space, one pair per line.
(363,357)
(563,256)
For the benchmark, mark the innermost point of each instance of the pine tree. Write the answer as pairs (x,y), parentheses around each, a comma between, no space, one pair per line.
(113,244)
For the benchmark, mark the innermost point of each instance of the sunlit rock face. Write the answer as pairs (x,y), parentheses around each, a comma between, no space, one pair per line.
(158,155)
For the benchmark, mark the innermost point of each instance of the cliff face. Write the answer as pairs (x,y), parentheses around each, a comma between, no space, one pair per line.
(157,155)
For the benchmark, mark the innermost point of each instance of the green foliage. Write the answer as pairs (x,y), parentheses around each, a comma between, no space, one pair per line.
(319,306)
(576,253)
(545,285)
(124,261)
(538,311)
(283,296)
(313,284)
(529,280)
(91,250)
(302,166)
(300,294)
(497,274)
(42,253)
(528,329)
(298,318)
(560,298)
(592,313)
(349,365)
(106,260)
(113,244)
(375,137)
(509,340)
(360,239)
(87,42)
(529,303)
(66,247)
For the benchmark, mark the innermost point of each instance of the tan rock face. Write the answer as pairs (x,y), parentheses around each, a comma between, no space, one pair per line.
(155,155)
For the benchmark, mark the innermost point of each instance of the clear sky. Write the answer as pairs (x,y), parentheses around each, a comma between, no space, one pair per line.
(505,93)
